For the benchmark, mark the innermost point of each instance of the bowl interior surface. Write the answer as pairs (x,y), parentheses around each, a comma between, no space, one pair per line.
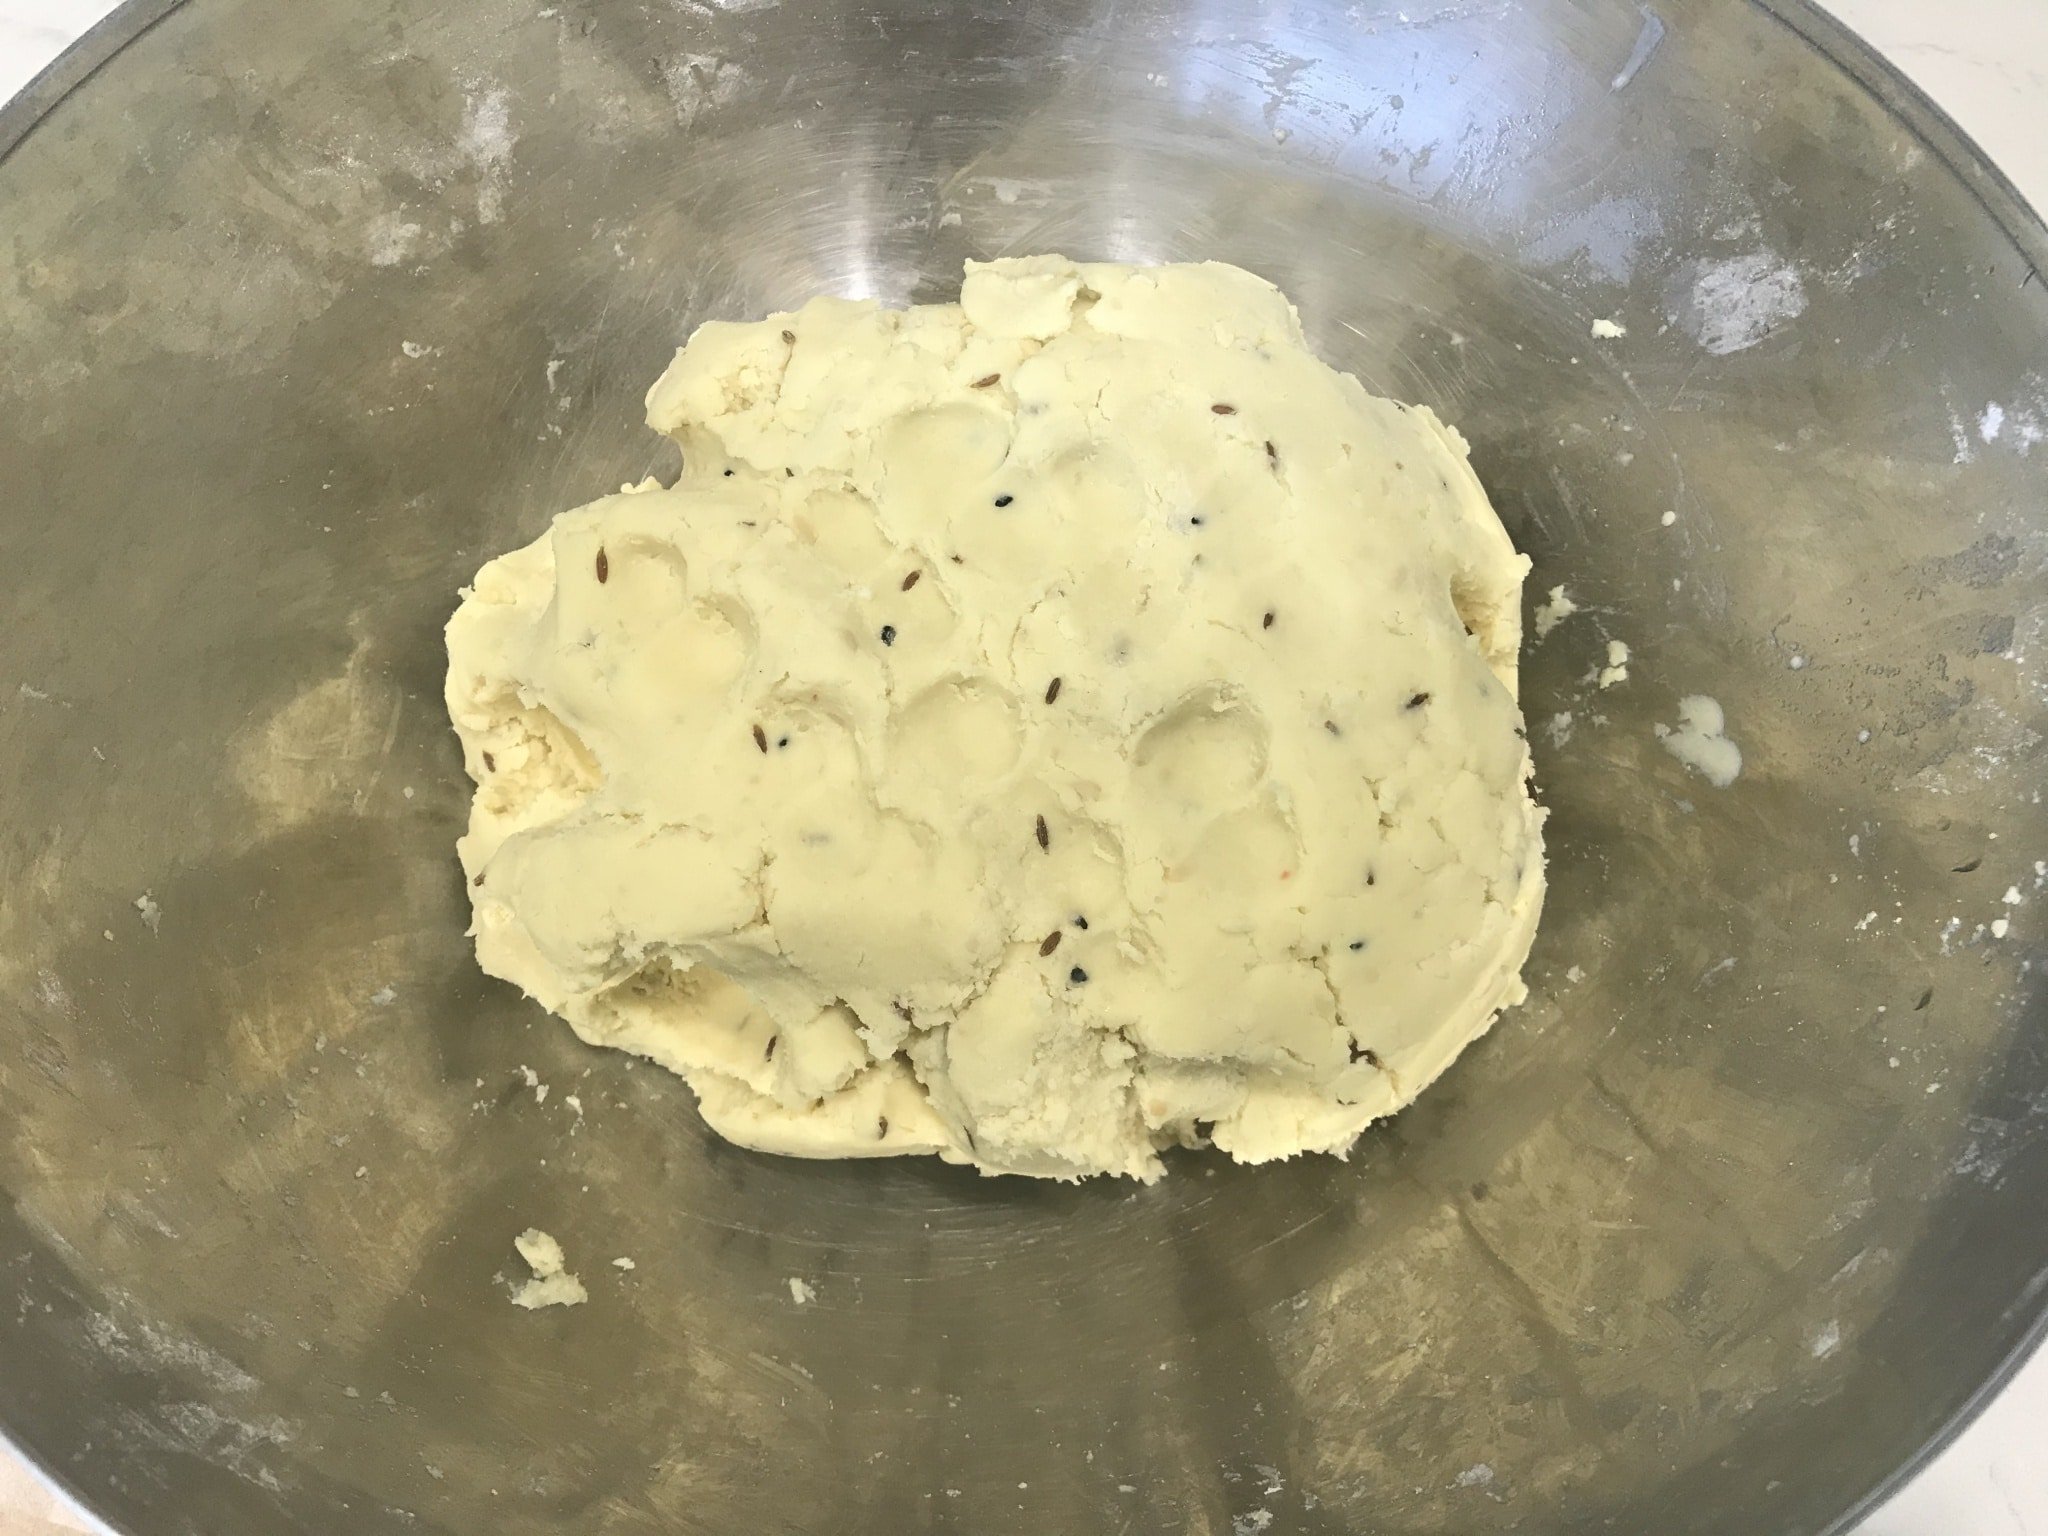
(310,311)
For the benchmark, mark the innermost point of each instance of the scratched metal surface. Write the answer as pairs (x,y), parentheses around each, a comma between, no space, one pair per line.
(308,313)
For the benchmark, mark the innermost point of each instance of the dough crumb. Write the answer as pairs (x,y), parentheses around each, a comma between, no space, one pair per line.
(552,1285)
(1608,330)
(152,914)
(800,1291)
(1616,670)
(1700,741)
(1554,612)
(623,1263)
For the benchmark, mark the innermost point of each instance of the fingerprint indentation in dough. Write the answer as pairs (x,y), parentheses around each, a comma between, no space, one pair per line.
(1206,752)
(1253,847)
(1099,487)
(931,462)
(693,657)
(646,579)
(840,525)
(961,730)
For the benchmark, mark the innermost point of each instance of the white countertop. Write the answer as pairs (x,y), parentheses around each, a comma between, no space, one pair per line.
(1986,63)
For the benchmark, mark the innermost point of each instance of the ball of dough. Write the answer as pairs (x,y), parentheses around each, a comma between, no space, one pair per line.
(1038,730)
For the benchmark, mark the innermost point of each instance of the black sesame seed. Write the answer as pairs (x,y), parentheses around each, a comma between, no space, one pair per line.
(1331,727)
(1044,834)
(1005,499)
(1052,691)
(728,474)
(1050,943)
(1272,453)
(1076,977)
(789,336)
(1371,878)
(1418,700)
(1195,522)
(782,741)
(604,568)
(479,880)
(769,1055)
(1925,997)
(760,738)
(1081,923)
(1967,867)
(986,379)
(1223,410)
(911,580)
(1357,945)
(888,634)
(881,1126)
(1267,621)
(490,763)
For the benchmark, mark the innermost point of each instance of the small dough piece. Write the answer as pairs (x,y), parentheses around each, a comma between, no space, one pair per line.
(1700,740)
(552,1285)
(1039,731)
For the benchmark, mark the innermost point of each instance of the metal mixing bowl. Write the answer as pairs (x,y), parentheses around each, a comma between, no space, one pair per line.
(309,309)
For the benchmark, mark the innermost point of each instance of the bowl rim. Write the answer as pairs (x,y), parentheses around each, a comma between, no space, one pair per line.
(1903,100)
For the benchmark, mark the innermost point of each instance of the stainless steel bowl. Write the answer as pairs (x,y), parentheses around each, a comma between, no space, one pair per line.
(309,309)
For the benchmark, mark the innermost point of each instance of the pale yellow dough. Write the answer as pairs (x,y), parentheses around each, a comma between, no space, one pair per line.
(1038,730)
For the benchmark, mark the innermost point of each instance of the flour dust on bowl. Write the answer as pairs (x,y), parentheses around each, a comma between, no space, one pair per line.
(1717,1233)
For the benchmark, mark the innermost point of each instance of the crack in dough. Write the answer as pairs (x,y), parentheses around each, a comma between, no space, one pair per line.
(1037,731)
